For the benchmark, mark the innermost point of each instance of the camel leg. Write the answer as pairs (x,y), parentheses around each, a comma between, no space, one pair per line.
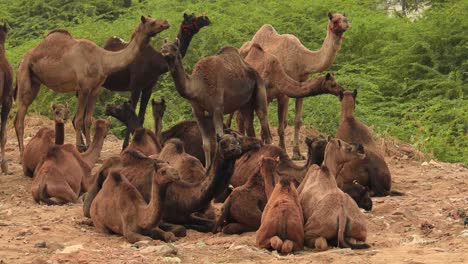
(6,106)
(78,120)
(236,228)
(27,92)
(276,243)
(228,121)
(246,118)
(282,119)
(297,127)
(200,224)
(177,230)
(89,112)
(157,233)
(145,96)
(240,123)
(218,121)
(204,131)
(261,109)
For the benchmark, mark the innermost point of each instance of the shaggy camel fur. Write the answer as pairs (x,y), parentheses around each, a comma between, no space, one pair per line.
(280,86)
(219,84)
(329,213)
(120,208)
(371,172)
(242,211)
(64,172)
(65,64)
(6,95)
(38,146)
(282,226)
(297,61)
(141,75)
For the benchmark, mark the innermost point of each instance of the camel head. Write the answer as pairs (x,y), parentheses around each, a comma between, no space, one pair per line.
(60,113)
(122,112)
(165,173)
(348,99)
(192,24)
(268,163)
(338,152)
(229,146)
(3,32)
(360,195)
(338,23)
(159,107)
(170,50)
(102,126)
(329,85)
(150,26)
(316,148)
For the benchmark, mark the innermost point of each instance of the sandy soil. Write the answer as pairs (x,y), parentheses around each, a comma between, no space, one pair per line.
(424,226)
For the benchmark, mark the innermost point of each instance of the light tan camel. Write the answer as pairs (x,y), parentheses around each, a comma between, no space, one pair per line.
(6,98)
(297,60)
(219,84)
(65,64)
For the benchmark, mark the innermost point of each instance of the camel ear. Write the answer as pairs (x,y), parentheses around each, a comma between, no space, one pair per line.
(341,95)
(330,15)
(277,159)
(66,105)
(354,94)
(329,138)
(262,157)
(178,42)
(143,19)
(53,106)
(339,143)
(163,102)
(328,76)
(218,138)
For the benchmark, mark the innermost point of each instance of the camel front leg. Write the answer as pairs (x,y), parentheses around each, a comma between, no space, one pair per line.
(261,109)
(218,121)
(199,115)
(145,96)
(282,119)
(3,132)
(246,119)
(78,121)
(297,128)
(89,112)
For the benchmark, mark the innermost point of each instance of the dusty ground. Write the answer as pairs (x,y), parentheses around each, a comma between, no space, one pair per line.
(424,226)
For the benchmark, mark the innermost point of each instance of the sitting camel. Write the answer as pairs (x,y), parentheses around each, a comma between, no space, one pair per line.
(298,61)
(38,146)
(282,226)
(371,172)
(141,76)
(219,85)
(64,172)
(6,97)
(121,209)
(242,211)
(329,213)
(65,64)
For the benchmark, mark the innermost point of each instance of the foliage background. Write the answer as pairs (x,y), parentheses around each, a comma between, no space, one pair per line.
(411,75)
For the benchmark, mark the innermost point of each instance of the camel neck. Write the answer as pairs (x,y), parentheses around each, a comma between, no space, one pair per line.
(155,207)
(59,133)
(181,80)
(158,126)
(318,61)
(347,110)
(91,156)
(269,181)
(327,176)
(185,39)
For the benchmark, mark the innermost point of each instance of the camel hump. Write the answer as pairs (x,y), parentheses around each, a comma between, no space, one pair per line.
(61,31)
(178,144)
(116,177)
(268,28)
(228,50)
(53,152)
(257,46)
(115,43)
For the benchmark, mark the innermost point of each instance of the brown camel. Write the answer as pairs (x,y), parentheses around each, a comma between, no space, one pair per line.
(329,213)
(280,86)
(65,172)
(120,208)
(371,172)
(219,84)
(141,75)
(297,61)
(6,97)
(282,226)
(242,211)
(38,146)
(65,64)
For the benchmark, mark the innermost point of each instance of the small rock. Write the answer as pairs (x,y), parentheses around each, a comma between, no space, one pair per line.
(345,252)
(373,252)
(71,249)
(432,162)
(172,259)
(405,157)
(41,245)
(141,244)
(425,164)
(465,221)
(162,250)
(464,233)
(201,244)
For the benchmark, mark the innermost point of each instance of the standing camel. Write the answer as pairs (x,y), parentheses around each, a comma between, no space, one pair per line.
(298,61)
(65,64)
(6,82)
(142,74)
(219,84)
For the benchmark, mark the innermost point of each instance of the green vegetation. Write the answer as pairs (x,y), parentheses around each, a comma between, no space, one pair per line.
(411,76)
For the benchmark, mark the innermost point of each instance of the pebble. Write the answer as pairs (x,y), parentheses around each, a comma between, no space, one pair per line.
(464,233)
(172,259)
(141,244)
(345,251)
(373,252)
(162,250)
(41,245)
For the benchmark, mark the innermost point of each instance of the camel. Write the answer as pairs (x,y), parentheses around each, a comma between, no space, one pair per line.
(242,211)
(359,193)
(371,172)
(142,74)
(280,86)
(297,61)
(38,146)
(65,64)
(219,84)
(65,172)
(282,226)
(329,213)
(120,208)
(6,97)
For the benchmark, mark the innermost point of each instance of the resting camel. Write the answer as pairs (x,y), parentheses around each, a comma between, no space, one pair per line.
(120,208)
(329,213)
(38,146)
(371,172)
(280,86)
(282,226)
(142,74)
(65,64)
(242,211)
(297,61)
(6,97)
(219,84)
(65,172)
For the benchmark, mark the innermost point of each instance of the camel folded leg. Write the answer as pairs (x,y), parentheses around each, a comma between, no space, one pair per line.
(237,228)
(200,224)
(158,233)
(177,230)
(297,128)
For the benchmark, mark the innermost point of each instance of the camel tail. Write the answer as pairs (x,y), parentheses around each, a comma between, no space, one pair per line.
(343,228)
(44,195)
(223,217)
(396,193)
(88,198)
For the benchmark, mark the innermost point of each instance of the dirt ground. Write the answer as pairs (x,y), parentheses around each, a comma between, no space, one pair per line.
(424,226)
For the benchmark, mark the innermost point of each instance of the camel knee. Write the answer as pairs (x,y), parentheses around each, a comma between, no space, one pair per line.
(297,123)
(276,243)
(321,244)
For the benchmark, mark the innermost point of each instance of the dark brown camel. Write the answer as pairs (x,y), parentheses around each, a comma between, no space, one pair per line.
(38,146)
(6,95)
(219,84)
(120,208)
(371,172)
(329,213)
(65,64)
(143,73)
